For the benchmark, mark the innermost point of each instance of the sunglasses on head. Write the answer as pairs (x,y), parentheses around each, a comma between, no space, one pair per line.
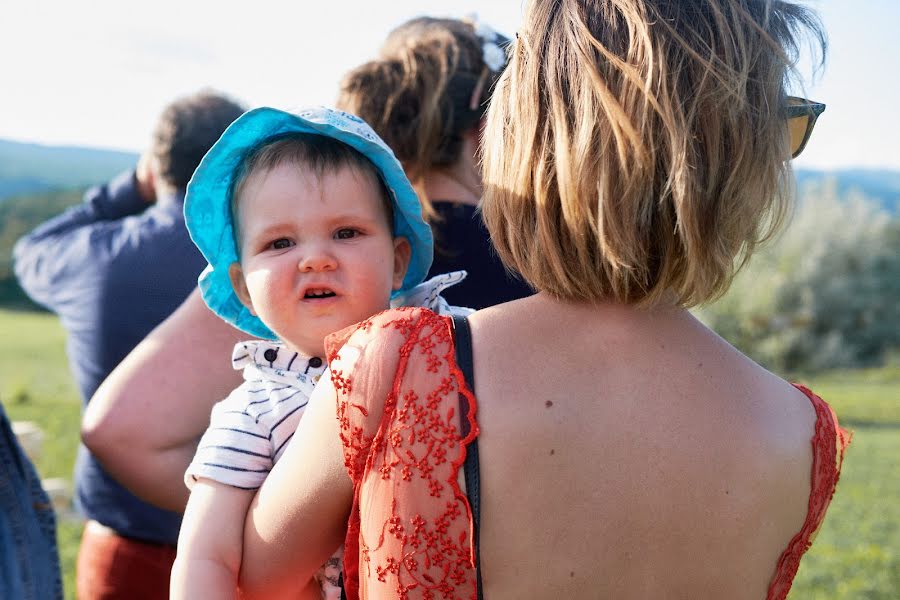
(801,116)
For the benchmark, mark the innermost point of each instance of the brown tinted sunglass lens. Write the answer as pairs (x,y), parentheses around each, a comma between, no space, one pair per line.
(798,128)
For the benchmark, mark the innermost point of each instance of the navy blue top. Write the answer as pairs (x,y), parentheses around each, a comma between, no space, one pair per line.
(112,268)
(461,241)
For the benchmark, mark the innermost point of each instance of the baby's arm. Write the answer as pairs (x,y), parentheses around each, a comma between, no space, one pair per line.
(210,542)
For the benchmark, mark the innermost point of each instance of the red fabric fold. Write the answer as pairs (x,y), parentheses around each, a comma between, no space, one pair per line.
(829,442)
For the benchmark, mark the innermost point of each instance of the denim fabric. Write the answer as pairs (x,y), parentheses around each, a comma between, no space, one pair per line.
(29,562)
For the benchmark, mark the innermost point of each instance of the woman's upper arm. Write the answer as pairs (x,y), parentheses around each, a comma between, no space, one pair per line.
(299,516)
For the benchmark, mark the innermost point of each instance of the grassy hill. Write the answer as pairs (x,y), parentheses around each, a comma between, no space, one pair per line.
(31,168)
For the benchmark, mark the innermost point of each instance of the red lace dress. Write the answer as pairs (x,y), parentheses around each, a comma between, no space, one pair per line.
(410,529)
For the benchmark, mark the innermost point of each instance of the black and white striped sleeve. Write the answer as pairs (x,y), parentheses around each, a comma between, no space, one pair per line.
(236,449)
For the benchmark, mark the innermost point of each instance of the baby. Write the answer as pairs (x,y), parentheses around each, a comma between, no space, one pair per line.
(309,225)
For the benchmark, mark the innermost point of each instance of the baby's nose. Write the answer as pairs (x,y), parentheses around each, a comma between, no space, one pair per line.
(317,258)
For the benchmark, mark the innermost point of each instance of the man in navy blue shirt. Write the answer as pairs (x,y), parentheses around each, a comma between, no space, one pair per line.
(113,268)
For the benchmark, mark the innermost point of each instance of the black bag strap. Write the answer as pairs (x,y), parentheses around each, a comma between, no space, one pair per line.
(463,341)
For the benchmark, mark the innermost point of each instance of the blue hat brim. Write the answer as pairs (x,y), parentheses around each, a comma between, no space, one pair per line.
(207,205)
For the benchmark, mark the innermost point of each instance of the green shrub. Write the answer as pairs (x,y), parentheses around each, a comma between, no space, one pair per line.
(825,295)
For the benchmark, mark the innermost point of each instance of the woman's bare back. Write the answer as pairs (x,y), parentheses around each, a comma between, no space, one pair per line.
(637,455)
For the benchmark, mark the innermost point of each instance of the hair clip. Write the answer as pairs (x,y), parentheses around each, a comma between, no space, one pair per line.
(492,55)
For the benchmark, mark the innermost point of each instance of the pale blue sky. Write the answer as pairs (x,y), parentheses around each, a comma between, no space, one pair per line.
(97,73)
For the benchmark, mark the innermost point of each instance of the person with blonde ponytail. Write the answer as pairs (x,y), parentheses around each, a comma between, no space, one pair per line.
(426,95)
(593,440)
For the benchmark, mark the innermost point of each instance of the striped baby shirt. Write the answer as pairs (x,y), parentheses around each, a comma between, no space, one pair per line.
(249,429)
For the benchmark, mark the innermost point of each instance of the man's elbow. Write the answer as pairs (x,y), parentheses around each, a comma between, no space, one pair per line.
(24,266)
(32,271)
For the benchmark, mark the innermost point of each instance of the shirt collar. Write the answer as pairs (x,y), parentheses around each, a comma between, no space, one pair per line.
(175,198)
(428,293)
(276,357)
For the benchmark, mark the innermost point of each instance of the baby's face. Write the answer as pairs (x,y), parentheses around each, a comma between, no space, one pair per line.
(317,252)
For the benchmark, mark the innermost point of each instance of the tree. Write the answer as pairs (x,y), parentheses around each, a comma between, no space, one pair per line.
(826,294)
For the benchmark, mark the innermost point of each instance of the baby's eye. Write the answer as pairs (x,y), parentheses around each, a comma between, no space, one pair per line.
(281,244)
(346,233)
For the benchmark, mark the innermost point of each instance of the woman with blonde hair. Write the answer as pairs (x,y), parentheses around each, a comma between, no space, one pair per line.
(594,440)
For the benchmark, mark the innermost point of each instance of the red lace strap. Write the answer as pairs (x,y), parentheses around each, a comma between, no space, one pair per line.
(828,444)
(410,529)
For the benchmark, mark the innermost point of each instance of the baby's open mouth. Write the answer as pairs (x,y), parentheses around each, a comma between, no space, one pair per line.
(317,293)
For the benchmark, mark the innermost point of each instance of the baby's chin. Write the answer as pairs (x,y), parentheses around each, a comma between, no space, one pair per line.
(313,343)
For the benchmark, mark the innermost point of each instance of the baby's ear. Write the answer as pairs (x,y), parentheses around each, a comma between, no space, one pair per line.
(402,254)
(239,284)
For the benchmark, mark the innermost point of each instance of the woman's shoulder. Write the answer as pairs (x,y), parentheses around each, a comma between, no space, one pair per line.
(387,328)
(796,415)
(397,356)
(372,354)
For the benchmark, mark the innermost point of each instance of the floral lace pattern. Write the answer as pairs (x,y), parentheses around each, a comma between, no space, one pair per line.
(416,539)
(829,442)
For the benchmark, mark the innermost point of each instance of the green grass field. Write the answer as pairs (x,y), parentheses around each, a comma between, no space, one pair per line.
(854,557)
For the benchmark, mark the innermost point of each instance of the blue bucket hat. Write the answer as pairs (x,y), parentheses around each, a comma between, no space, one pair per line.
(207,205)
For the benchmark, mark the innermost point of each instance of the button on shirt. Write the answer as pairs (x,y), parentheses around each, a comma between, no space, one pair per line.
(249,429)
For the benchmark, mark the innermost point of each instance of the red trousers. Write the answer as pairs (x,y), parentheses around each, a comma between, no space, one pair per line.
(111,567)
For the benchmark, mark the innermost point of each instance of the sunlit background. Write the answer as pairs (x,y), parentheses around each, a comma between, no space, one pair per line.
(97,73)
(820,305)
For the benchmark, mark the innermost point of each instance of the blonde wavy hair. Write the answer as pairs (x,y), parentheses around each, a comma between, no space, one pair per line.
(636,150)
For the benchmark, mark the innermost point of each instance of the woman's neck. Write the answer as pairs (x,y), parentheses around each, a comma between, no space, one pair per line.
(461,182)
(448,186)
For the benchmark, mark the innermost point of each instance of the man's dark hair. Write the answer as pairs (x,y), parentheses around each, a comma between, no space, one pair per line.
(187,128)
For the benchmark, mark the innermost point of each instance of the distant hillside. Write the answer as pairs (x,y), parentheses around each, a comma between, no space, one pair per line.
(880,185)
(34,168)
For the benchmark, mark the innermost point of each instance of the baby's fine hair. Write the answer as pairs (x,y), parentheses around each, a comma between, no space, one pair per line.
(637,150)
(318,153)
(418,94)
